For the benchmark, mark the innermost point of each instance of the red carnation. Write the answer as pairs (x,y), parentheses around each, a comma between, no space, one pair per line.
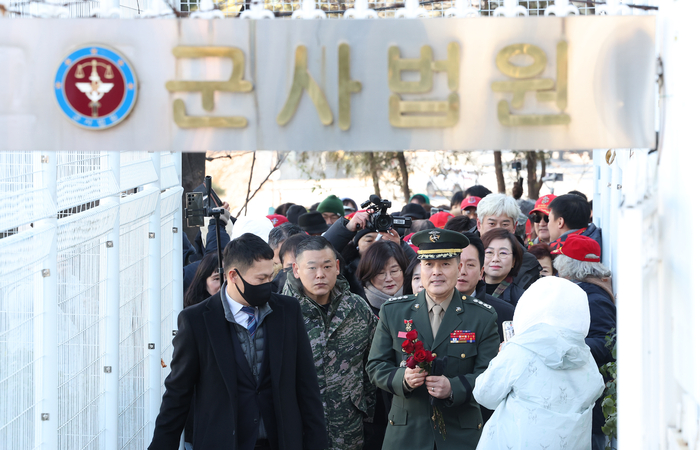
(407,346)
(411,362)
(412,335)
(421,355)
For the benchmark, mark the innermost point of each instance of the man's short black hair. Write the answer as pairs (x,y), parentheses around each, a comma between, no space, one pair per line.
(244,251)
(280,233)
(290,245)
(477,191)
(475,241)
(573,209)
(457,198)
(460,224)
(313,243)
(579,193)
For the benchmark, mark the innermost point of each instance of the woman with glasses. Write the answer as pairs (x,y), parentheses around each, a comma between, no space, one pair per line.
(381,272)
(503,259)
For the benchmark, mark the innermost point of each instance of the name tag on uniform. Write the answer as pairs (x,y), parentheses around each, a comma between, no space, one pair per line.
(462,337)
(402,334)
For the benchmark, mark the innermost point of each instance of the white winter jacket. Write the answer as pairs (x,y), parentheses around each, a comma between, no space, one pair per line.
(544,382)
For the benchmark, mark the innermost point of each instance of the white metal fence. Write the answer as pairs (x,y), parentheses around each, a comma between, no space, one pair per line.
(87,301)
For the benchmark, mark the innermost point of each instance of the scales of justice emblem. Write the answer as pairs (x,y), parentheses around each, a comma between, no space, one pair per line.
(95,87)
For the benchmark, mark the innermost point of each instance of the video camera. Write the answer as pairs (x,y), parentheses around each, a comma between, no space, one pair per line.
(379,220)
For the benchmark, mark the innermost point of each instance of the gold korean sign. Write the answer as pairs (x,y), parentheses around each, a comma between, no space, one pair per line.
(354,85)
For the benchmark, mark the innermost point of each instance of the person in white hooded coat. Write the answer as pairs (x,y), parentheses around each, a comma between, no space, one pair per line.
(544,382)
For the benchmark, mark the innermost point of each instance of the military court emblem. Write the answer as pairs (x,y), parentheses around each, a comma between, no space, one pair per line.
(95,87)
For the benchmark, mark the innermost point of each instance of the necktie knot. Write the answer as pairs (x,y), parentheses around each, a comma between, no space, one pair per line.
(252,323)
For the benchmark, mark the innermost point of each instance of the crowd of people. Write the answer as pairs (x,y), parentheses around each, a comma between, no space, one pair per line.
(324,329)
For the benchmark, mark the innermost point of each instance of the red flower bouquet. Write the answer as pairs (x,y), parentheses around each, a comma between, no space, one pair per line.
(418,356)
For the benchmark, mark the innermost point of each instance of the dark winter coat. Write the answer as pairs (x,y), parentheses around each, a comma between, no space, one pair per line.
(504,309)
(204,362)
(529,272)
(603,320)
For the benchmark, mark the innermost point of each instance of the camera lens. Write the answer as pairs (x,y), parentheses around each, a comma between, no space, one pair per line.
(383,223)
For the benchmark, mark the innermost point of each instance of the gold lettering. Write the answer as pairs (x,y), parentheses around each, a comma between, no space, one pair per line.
(424,114)
(560,95)
(184,121)
(346,86)
(235,83)
(303,81)
(433,114)
(546,89)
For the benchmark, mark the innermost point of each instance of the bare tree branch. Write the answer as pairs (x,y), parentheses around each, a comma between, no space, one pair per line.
(250,179)
(275,168)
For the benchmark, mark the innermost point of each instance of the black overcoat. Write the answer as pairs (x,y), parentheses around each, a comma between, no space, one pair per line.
(204,361)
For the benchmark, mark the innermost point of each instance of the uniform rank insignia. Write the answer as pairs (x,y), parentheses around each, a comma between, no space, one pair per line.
(462,337)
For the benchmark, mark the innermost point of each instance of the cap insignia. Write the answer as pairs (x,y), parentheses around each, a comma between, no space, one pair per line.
(434,236)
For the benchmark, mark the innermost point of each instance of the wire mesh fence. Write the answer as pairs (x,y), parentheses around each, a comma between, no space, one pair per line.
(55,292)
(21,324)
(284,8)
(386,8)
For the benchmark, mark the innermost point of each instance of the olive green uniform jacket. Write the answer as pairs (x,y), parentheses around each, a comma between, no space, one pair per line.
(410,424)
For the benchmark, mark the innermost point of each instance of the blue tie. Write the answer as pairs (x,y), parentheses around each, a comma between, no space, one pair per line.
(252,323)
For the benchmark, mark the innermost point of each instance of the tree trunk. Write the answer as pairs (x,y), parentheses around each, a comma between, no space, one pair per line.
(374,173)
(543,170)
(404,177)
(533,190)
(499,171)
(193,172)
(534,183)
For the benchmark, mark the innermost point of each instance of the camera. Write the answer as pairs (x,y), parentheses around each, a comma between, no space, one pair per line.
(197,210)
(379,220)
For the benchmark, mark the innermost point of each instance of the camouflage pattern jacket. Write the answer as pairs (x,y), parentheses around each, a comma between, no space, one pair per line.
(340,341)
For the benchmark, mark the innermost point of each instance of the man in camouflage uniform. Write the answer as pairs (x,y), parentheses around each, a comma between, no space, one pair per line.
(340,326)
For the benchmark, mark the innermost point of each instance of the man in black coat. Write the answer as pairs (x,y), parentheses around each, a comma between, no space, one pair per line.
(242,360)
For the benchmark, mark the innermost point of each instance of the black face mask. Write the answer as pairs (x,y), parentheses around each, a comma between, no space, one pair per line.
(255,294)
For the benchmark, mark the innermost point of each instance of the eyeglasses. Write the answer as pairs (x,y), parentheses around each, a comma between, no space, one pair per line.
(501,254)
(536,218)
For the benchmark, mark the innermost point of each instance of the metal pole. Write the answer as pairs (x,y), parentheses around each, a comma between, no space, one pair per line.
(177,248)
(177,259)
(154,307)
(47,327)
(111,368)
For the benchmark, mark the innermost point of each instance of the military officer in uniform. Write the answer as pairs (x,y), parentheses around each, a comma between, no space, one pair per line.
(449,324)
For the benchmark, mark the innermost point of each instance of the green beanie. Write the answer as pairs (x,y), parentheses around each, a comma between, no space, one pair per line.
(331,204)
(423,196)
